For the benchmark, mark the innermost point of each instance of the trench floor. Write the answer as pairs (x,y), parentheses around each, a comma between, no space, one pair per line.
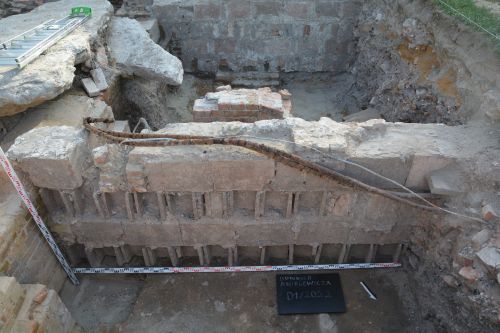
(237,302)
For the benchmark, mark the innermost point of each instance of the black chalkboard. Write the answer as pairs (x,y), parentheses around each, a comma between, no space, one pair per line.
(309,293)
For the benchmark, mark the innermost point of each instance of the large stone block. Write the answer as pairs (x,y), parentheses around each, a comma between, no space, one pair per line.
(490,257)
(422,166)
(98,234)
(446,181)
(236,168)
(208,232)
(202,168)
(332,232)
(129,43)
(181,168)
(264,232)
(53,157)
(152,234)
(292,179)
(392,167)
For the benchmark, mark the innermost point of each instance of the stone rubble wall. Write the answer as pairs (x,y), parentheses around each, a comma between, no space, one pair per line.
(309,36)
(32,308)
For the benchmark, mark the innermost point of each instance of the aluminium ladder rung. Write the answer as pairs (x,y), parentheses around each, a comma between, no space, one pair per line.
(23,48)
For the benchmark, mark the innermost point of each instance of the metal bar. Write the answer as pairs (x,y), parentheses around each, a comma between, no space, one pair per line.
(228,269)
(43,45)
(33,45)
(4,43)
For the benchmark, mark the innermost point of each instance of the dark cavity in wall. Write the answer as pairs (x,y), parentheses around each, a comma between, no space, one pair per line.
(157,102)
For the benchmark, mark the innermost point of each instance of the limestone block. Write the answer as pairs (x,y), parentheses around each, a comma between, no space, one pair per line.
(99,79)
(90,87)
(338,203)
(182,168)
(201,168)
(392,167)
(136,54)
(490,257)
(53,157)
(422,166)
(110,159)
(323,232)
(480,238)
(236,168)
(446,181)
(98,234)
(152,234)
(266,233)
(205,231)
(292,179)
(152,27)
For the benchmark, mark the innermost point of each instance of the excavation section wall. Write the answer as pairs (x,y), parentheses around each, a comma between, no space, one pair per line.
(308,36)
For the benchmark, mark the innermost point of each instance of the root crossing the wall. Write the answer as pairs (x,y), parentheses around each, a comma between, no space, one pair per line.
(294,161)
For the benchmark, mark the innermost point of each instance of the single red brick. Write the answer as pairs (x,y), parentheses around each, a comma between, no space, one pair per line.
(469,274)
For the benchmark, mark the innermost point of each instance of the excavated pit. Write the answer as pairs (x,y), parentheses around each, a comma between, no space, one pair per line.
(351,61)
(397,87)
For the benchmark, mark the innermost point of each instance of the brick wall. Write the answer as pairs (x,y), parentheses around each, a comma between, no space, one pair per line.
(287,35)
(32,308)
(245,105)
(24,254)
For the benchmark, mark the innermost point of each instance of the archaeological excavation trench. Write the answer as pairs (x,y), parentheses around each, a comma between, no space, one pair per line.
(252,133)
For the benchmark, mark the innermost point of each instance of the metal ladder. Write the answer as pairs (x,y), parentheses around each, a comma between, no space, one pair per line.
(20,50)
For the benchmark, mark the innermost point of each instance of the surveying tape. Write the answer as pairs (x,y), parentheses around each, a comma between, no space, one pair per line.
(36,217)
(230,269)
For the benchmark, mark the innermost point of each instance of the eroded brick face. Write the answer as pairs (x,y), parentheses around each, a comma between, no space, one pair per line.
(245,105)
